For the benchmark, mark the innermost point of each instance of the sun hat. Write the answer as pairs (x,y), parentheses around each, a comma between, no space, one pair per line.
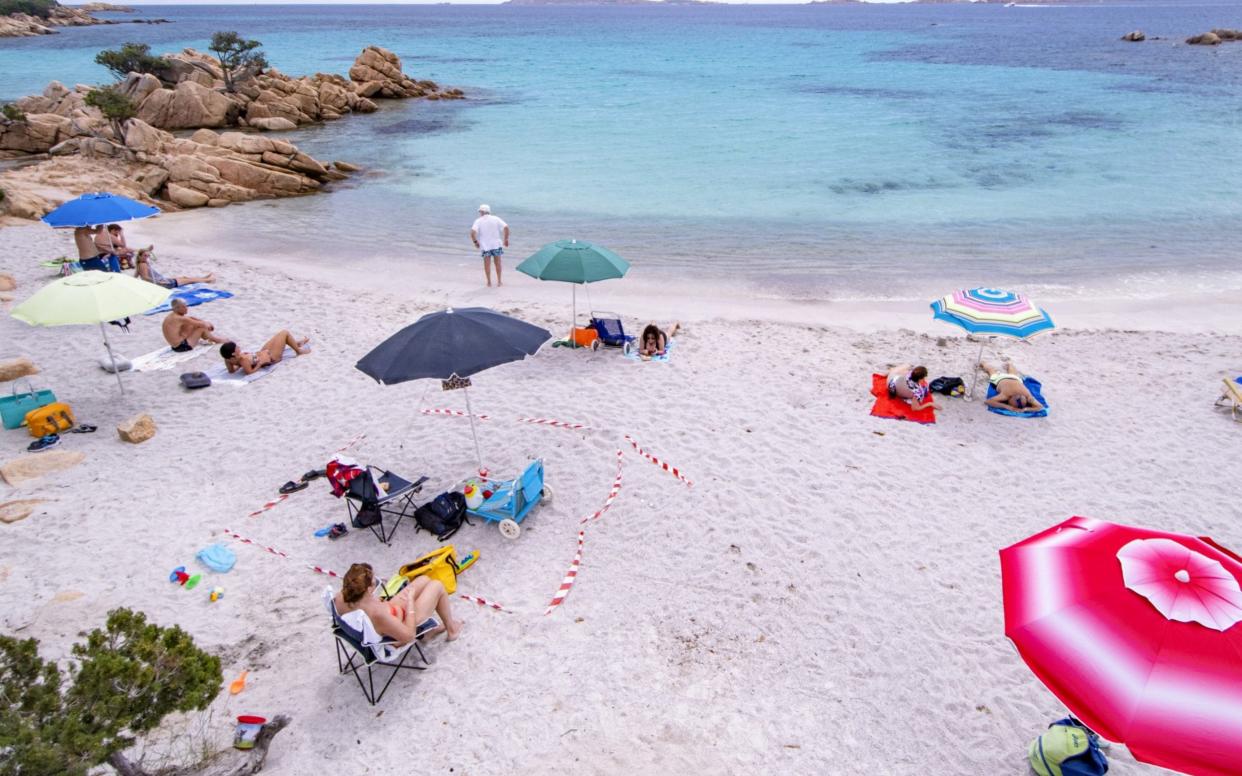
(485,209)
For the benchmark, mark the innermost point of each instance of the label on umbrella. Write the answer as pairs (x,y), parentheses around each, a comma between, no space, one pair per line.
(455,382)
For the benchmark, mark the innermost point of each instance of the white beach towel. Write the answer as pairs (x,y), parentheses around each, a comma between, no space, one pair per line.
(166,358)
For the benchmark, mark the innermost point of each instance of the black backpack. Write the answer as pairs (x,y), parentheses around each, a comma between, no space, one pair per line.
(443,515)
(946,385)
(194,380)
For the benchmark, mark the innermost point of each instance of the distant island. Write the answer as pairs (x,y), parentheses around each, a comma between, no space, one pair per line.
(608,2)
(24,18)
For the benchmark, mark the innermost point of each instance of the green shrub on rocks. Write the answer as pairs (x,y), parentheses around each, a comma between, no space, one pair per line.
(131,58)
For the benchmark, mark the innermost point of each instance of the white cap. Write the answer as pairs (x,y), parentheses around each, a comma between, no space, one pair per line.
(485,209)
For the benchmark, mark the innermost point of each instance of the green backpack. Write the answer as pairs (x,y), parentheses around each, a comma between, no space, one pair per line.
(1068,748)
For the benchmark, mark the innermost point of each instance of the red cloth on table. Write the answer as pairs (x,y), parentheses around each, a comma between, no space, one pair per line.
(895,407)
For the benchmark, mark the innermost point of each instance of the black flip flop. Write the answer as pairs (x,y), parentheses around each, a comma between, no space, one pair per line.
(84,428)
(314,474)
(293,487)
(43,443)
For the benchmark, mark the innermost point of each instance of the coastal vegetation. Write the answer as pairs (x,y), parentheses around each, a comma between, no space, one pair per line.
(123,680)
(12,112)
(41,8)
(239,58)
(115,107)
(131,58)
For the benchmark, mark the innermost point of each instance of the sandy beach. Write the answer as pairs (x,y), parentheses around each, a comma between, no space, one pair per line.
(825,599)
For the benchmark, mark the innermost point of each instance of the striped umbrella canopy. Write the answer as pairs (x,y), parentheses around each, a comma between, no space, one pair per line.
(993,311)
(1137,632)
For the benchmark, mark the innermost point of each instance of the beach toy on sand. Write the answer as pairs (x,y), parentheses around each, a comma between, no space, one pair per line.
(216,594)
(178,575)
(473,494)
(239,684)
(248,728)
(193,581)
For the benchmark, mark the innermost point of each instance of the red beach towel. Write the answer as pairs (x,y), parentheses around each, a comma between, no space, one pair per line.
(887,407)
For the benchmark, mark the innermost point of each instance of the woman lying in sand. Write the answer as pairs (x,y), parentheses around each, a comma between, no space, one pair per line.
(655,342)
(271,352)
(148,273)
(907,382)
(399,616)
(1011,390)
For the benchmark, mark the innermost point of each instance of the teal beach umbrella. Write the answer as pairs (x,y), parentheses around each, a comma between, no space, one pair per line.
(577,262)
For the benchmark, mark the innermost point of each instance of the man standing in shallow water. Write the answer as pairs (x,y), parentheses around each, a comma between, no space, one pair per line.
(491,236)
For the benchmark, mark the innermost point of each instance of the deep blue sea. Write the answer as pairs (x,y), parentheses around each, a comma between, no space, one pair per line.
(831,151)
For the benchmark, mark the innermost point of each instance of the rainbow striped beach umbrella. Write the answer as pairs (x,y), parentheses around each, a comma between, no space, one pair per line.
(992,312)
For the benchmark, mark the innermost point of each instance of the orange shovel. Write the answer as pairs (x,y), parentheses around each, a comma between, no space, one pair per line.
(238,684)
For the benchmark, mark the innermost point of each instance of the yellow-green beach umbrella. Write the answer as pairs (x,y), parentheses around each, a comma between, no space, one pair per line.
(91,297)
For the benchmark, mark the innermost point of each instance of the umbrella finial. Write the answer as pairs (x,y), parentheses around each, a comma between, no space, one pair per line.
(1182,575)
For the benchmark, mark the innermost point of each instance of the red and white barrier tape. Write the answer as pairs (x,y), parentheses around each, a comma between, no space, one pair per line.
(612,494)
(269,505)
(484,602)
(458,413)
(352,442)
(673,470)
(285,555)
(556,423)
(571,576)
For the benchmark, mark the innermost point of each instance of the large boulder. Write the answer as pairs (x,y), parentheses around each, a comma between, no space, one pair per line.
(1206,39)
(273,124)
(31,467)
(186,197)
(1134,37)
(141,136)
(1226,34)
(138,86)
(377,73)
(188,106)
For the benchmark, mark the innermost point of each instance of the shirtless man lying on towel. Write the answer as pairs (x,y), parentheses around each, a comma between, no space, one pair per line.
(1011,391)
(184,332)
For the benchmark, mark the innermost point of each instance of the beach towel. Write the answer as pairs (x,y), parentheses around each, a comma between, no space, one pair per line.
(192,294)
(1035,388)
(668,351)
(893,407)
(217,557)
(166,358)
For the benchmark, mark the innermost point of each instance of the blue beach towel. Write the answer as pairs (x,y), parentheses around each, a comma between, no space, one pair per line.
(1036,389)
(217,557)
(668,351)
(193,294)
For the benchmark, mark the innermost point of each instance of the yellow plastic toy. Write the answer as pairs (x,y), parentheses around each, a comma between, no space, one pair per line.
(440,564)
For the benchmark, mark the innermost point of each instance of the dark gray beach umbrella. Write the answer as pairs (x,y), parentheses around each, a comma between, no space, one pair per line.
(453,343)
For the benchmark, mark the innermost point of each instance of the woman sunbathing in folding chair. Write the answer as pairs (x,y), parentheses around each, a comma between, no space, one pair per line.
(399,616)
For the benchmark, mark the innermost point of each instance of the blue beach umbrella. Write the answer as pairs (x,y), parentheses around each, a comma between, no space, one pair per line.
(98,208)
(992,312)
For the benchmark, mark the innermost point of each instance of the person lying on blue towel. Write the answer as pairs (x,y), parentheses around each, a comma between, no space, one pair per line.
(1011,390)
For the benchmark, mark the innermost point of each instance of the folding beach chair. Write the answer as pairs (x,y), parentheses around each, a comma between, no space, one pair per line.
(359,646)
(1232,397)
(611,332)
(378,493)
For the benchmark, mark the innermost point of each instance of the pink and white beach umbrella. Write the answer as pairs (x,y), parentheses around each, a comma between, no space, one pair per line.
(1136,632)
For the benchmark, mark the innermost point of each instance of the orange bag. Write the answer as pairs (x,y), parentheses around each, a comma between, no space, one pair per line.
(50,419)
(583,337)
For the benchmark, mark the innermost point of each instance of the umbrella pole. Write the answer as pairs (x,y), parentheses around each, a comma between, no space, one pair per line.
(574,321)
(974,372)
(112,357)
(470,413)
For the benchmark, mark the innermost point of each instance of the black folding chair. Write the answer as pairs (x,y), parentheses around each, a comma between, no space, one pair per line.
(352,655)
(369,505)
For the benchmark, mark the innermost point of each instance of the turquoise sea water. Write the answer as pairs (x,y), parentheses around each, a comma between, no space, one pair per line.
(830,151)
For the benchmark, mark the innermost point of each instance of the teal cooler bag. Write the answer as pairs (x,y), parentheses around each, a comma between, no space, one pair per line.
(13,408)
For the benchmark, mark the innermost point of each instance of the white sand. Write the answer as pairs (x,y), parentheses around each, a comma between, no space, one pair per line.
(825,600)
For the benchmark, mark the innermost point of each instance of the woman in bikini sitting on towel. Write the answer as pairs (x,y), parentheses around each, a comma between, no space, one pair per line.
(655,342)
(400,616)
(271,353)
(907,382)
(1011,390)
